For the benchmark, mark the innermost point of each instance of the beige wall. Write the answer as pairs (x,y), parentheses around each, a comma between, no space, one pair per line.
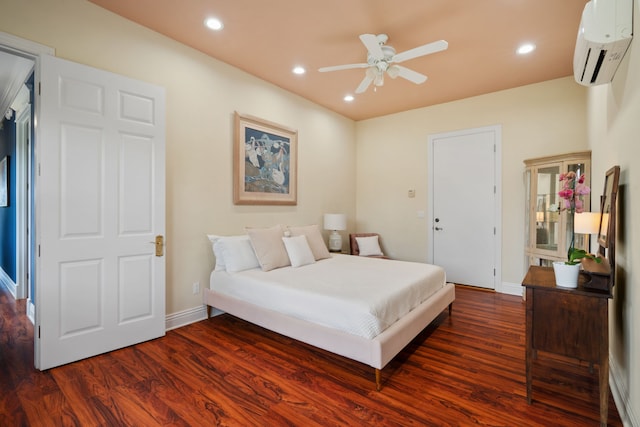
(614,136)
(202,95)
(537,120)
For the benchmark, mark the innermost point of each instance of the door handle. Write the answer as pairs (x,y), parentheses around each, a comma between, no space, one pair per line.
(438,228)
(159,242)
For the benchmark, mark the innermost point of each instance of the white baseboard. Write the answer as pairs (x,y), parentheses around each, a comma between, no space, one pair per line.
(185,317)
(510,288)
(620,394)
(31,311)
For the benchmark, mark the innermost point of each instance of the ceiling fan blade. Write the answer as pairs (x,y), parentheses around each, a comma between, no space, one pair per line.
(372,44)
(342,67)
(420,51)
(412,76)
(364,84)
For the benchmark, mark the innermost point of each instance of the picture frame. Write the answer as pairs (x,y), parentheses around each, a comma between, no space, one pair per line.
(4,182)
(265,162)
(608,207)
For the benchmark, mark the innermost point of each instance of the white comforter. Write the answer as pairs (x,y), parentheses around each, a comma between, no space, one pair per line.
(358,295)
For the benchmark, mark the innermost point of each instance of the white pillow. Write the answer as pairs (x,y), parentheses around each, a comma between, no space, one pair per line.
(233,253)
(269,247)
(239,255)
(369,246)
(314,240)
(217,251)
(298,250)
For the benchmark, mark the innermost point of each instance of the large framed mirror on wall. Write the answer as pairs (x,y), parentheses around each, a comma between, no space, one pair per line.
(606,233)
(601,275)
(607,229)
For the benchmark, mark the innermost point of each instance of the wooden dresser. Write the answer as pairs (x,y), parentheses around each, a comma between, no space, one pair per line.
(569,322)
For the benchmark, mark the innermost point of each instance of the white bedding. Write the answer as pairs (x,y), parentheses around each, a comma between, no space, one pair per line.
(357,295)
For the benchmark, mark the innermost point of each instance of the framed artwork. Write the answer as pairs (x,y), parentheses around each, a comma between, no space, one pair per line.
(4,182)
(608,205)
(265,164)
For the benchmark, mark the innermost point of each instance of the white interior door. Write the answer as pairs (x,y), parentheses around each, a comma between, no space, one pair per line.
(464,205)
(100,204)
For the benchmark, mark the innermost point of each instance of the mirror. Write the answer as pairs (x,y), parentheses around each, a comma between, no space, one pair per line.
(606,233)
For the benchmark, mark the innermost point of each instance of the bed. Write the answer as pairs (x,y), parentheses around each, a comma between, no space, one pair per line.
(361,308)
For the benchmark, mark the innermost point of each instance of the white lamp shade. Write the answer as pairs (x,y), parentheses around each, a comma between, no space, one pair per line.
(335,222)
(586,222)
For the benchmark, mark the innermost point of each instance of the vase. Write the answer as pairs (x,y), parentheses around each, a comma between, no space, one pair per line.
(566,275)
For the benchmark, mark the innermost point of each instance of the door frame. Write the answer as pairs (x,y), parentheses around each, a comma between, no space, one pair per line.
(497,130)
(30,50)
(23,197)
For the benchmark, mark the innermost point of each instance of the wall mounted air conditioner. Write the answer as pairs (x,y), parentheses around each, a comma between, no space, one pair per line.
(603,38)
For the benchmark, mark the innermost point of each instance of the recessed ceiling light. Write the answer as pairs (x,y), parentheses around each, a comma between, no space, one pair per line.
(348,98)
(214,24)
(299,70)
(526,48)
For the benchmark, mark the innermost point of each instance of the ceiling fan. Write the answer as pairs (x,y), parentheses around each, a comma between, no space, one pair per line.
(382,58)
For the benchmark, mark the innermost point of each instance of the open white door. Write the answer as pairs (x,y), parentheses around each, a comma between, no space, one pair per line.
(100,204)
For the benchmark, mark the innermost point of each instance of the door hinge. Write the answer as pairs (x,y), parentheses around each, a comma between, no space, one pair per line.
(494,272)
(38,251)
(38,332)
(494,231)
(39,88)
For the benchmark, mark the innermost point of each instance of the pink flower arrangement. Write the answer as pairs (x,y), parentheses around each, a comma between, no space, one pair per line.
(572,190)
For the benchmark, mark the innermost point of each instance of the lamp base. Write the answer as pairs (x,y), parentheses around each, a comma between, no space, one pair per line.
(335,242)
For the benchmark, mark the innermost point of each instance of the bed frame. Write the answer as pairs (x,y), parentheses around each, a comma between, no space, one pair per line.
(376,352)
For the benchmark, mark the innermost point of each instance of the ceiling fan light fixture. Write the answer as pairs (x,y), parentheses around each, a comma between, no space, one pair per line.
(382,58)
(379,80)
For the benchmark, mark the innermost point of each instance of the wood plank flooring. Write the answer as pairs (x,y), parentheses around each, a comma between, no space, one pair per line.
(464,369)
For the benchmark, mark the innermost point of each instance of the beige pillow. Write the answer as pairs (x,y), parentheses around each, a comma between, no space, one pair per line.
(269,247)
(314,239)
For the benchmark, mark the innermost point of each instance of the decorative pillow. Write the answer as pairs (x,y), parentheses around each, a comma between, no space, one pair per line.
(233,253)
(269,247)
(298,250)
(369,246)
(314,240)
(217,251)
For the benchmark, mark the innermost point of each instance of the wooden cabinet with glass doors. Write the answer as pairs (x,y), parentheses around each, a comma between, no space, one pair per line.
(547,229)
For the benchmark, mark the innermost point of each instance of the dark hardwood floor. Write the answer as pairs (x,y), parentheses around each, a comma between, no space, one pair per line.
(467,369)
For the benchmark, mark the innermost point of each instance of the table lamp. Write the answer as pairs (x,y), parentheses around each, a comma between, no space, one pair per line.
(586,222)
(335,222)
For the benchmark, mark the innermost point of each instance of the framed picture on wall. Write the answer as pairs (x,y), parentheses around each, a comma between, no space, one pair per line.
(4,182)
(265,163)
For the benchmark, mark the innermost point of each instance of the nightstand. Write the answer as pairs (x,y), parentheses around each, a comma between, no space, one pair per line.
(568,322)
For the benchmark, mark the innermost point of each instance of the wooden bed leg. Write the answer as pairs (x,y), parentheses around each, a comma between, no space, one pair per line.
(378,380)
(450,308)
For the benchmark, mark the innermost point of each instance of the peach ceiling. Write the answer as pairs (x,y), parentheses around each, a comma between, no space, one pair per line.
(267,38)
